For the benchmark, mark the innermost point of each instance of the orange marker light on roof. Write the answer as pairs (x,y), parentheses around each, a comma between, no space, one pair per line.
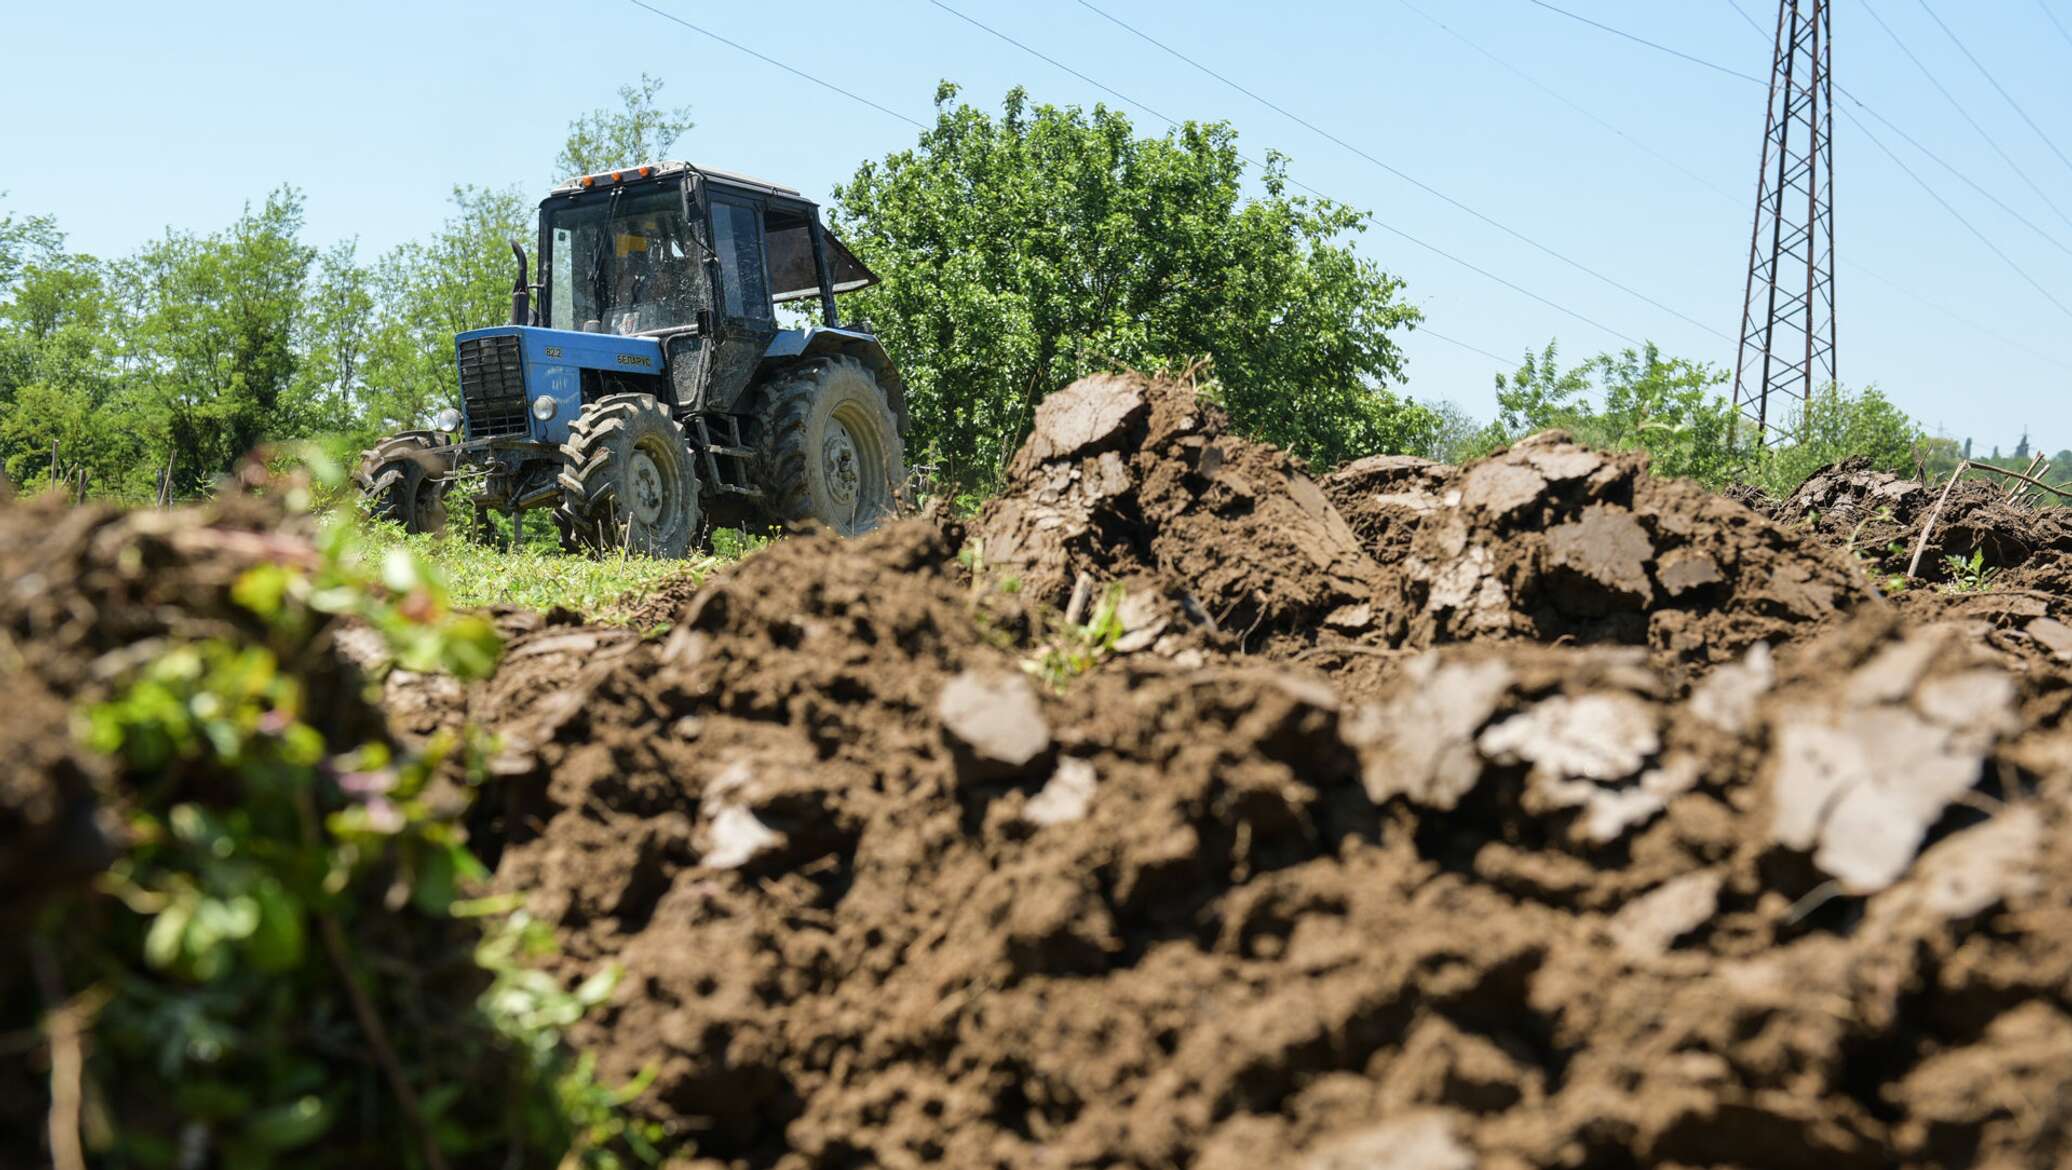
(646,171)
(588,181)
(616,175)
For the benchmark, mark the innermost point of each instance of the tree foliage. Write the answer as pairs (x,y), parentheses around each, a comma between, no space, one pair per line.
(637,132)
(1023,251)
(1673,408)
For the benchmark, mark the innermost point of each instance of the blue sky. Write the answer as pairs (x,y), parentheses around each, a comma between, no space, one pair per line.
(128,117)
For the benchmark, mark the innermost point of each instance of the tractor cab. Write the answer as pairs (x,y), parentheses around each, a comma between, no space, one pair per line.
(656,248)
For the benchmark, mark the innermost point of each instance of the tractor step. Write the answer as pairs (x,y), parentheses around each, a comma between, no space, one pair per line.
(728,460)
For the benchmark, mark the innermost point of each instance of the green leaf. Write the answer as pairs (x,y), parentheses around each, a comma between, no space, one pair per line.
(289,1126)
(276,944)
(262,589)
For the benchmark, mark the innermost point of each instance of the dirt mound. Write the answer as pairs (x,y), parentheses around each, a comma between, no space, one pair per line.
(883,899)
(1127,477)
(1549,542)
(1878,517)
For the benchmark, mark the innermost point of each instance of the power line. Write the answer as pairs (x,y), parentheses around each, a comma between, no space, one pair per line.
(1419,329)
(1910,140)
(1954,214)
(1427,188)
(1736,200)
(1897,161)
(1964,113)
(1175,125)
(1896,286)
(800,73)
(1995,83)
(2055,22)
(1617,32)
(1558,96)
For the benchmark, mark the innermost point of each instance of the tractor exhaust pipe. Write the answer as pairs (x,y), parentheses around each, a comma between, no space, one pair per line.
(521,300)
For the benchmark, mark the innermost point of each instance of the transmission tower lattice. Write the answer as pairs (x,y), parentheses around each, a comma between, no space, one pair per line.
(1787,349)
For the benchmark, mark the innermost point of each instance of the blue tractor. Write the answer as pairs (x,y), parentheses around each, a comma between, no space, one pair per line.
(645,389)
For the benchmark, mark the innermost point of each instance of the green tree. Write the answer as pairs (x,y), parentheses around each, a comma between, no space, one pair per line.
(427,291)
(1636,399)
(1023,251)
(212,339)
(61,375)
(23,241)
(1837,424)
(637,132)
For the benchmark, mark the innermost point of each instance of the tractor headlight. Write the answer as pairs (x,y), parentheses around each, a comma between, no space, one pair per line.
(448,421)
(543,407)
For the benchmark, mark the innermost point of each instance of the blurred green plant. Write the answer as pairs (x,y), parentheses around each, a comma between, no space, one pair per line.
(287,968)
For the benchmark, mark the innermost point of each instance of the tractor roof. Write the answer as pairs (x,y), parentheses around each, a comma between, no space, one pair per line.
(658,170)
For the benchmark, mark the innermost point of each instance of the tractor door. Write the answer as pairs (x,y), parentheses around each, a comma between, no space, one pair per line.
(747,319)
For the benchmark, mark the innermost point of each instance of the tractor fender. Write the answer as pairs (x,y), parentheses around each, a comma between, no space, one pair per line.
(792,346)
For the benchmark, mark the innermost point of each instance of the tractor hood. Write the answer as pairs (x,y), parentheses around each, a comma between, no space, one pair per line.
(505,369)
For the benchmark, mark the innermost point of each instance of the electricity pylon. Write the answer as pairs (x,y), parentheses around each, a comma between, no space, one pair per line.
(1787,349)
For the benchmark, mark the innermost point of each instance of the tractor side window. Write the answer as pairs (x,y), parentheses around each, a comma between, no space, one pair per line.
(737,234)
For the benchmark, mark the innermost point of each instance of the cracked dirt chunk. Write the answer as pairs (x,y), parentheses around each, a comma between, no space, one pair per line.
(1500,488)
(1683,570)
(1972,871)
(994,720)
(1421,746)
(1608,546)
(1588,737)
(1088,413)
(1427,1141)
(1649,925)
(1727,697)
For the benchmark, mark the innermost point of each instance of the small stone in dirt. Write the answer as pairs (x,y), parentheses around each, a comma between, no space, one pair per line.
(992,722)
(1648,926)
(2053,635)
(735,837)
(1066,797)
(1424,1142)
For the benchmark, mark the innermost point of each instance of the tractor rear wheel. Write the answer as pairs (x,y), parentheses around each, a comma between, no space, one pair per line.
(627,481)
(405,481)
(828,448)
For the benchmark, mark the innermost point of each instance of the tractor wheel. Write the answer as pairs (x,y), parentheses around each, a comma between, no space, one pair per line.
(405,482)
(627,480)
(828,448)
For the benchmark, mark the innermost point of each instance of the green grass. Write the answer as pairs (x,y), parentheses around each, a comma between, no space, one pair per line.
(539,576)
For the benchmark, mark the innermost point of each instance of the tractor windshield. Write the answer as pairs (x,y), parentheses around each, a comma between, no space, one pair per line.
(625,263)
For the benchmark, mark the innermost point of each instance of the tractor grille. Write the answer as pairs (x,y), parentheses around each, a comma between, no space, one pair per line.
(492,386)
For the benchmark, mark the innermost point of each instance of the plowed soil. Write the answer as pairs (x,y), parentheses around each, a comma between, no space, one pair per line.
(1537,813)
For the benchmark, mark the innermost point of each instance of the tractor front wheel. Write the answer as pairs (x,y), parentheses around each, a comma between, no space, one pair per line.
(405,480)
(627,481)
(829,448)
